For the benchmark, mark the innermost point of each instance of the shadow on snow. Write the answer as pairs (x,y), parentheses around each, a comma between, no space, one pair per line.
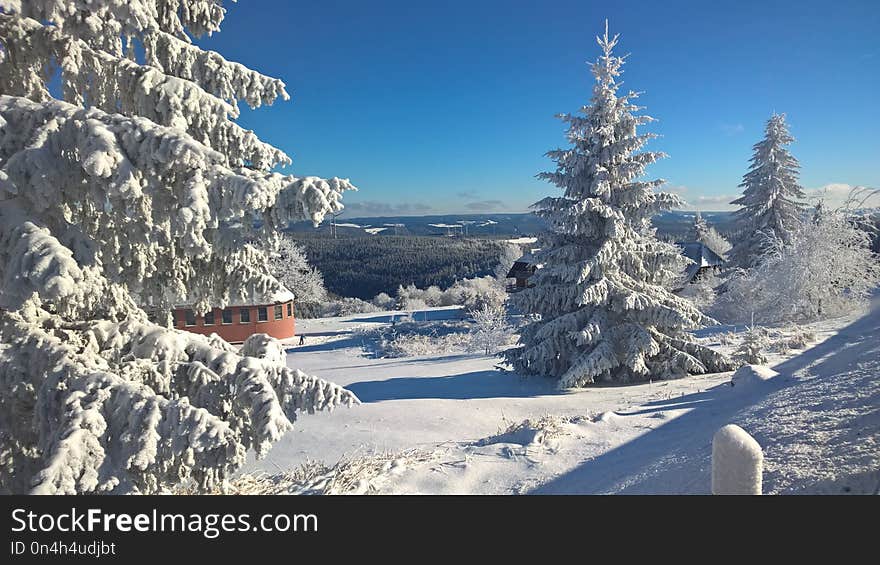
(417,316)
(676,456)
(465,386)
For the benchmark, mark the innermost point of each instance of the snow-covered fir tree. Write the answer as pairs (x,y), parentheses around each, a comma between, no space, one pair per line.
(131,185)
(291,267)
(600,308)
(753,348)
(510,253)
(772,207)
(709,236)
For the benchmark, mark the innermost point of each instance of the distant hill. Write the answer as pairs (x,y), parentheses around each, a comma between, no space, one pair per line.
(673,224)
(483,225)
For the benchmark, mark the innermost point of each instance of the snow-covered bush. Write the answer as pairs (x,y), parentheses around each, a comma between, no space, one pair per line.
(799,338)
(135,188)
(491,329)
(701,292)
(604,311)
(383,301)
(417,339)
(346,307)
(470,294)
(411,298)
(265,347)
(752,349)
(772,207)
(827,269)
(432,296)
(356,474)
(477,293)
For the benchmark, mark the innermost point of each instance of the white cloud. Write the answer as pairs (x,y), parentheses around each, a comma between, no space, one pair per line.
(371,208)
(836,194)
(712,202)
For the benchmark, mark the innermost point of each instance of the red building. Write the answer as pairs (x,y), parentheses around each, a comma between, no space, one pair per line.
(237,322)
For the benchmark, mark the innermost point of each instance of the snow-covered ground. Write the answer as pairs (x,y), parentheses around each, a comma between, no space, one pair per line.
(455,424)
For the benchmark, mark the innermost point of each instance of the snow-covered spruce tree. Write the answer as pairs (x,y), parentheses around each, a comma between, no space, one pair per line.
(130,185)
(771,201)
(291,267)
(510,253)
(600,304)
(709,236)
(753,348)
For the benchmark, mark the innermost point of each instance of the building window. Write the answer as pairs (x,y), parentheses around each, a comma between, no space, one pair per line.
(289,309)
(244,315)
(190,318)
(262,314)
(209,318)
(279,313)
(227,316)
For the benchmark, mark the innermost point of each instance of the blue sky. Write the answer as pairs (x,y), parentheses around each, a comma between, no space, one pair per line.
(448,107)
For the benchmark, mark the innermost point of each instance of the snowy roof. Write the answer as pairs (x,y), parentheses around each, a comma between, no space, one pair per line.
(281,295)
(525,265)
(527,258)
(700,254)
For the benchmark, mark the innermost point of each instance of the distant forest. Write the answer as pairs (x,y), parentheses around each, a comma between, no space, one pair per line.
(363,267)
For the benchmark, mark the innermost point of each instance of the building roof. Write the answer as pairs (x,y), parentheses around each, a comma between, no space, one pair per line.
(281,295)
(524,266)
(701,255)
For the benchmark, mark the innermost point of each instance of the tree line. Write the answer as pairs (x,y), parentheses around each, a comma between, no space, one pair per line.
(364,267)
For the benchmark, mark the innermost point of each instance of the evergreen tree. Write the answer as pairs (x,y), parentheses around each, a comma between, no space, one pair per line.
(709,236)
(600,307)
(771,202)
(291,267)
(134,188)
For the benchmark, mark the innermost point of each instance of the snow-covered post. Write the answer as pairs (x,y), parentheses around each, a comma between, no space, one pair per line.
(737,462)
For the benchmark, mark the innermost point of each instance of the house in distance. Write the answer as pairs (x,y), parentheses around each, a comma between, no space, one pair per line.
(240,320)
(522,269)
(704,259)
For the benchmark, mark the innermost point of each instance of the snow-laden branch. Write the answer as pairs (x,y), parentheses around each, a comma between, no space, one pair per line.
(137,192)
(132,406)
(116,84)
(187,200)
(106,20)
